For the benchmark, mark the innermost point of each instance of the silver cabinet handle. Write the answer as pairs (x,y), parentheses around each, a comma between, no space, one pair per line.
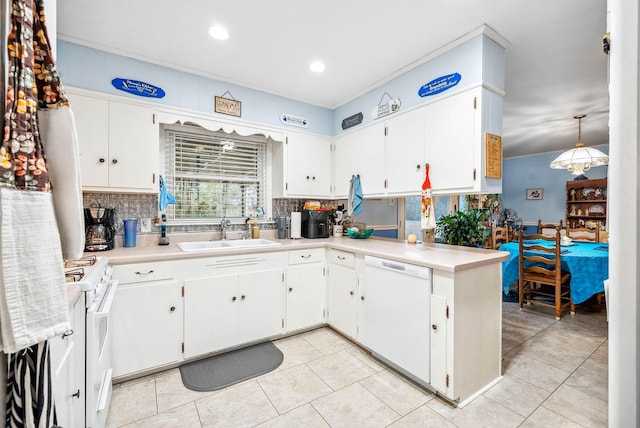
(67,333)
(242,297)
(342,258)
(172,309)
(306,257)
(351,293)
(101,160)
(434,327)
(114,161)
(144,274)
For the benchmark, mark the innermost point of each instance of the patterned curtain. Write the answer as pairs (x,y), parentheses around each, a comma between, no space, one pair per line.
(32,82)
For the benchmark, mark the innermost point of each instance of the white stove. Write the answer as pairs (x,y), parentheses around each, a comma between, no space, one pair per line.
(94,276)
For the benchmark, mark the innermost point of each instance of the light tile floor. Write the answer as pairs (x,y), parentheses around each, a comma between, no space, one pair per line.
(555,374)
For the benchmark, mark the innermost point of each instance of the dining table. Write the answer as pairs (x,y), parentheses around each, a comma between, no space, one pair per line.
(588,263)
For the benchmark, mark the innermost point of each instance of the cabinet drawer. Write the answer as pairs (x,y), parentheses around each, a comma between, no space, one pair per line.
(341,258)
(312,255)
(143,272)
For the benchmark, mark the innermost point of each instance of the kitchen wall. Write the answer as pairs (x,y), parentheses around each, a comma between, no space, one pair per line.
(92,69)
(534,172)
(476,57)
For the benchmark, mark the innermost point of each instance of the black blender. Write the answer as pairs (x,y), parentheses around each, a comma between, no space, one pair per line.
(99,230)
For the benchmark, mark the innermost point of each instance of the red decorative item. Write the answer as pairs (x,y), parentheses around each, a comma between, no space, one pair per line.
(427,215)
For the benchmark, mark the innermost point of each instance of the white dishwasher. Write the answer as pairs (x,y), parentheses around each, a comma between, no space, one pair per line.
(396,315)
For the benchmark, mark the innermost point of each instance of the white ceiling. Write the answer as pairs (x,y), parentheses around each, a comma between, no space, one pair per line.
(555,65)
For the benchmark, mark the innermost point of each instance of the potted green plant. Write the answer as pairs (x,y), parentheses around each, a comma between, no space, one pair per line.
(463,228)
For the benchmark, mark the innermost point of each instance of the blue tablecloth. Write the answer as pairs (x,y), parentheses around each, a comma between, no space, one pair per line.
(588,263)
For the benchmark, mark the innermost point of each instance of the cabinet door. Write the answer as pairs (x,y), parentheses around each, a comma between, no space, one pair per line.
(146,326)
(451,141)
(305,296)
(308,165)
(361,152)
(342,292)
(405,152)
(92,125)
(210,314)
(261,308)
(439,343)
(133,147)
(66,381)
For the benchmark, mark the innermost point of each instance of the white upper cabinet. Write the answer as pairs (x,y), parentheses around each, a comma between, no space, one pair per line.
(455,141)
(406,152)
(361,152)
(448,134)
(302,166)
(119,145)
(451,141)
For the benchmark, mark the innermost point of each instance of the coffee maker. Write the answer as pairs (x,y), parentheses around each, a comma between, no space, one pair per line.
(315,223)
(99,229)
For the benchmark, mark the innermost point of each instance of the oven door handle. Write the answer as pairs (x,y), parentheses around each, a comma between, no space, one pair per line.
(105,307)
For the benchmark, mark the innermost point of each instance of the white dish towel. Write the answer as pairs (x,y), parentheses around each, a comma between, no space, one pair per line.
(33,297)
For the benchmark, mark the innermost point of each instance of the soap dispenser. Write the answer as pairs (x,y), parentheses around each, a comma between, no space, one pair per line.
(164,239)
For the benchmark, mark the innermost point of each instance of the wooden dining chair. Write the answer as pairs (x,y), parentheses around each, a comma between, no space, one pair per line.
(583,234)
(499,236)
(542,281)
(548,229)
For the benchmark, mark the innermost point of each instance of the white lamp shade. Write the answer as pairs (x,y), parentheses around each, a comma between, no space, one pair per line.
(580,159)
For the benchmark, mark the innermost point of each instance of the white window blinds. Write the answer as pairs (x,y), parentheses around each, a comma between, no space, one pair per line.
(215,175)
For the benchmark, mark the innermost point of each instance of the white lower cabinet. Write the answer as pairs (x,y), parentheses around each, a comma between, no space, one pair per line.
(210,304)
(231,301)
(147,317)
(305,289)
(147,326)
(466,331)
(345,292)
(67,370)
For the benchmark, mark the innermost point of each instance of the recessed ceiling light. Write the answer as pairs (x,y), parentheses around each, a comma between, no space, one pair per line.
(317,66)
(218,32)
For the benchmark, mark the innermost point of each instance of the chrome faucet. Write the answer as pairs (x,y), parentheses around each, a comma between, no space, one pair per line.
(223,227)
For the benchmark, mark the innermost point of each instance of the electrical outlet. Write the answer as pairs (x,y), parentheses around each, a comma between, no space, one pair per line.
(145,225)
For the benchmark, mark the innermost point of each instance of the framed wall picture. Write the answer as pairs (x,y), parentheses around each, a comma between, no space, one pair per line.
(535,194)
(493,156)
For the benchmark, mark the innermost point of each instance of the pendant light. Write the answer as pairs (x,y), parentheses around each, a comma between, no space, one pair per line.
(580,159)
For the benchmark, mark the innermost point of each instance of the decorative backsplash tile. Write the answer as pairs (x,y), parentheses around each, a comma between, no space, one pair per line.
(145,206)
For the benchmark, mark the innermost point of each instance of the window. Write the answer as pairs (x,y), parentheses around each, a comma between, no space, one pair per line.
(214,174)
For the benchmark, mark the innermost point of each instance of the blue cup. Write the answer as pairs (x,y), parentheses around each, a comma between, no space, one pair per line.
(130,230)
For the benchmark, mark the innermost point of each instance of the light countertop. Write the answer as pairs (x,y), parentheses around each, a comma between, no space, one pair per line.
(447,258)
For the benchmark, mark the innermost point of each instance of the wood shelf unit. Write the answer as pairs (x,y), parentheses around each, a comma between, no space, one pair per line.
(587,203)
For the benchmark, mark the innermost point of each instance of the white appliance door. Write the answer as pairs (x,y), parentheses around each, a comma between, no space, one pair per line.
(397,314)
(99,370)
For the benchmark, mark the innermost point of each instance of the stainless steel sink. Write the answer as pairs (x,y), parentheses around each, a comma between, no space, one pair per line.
(225,244)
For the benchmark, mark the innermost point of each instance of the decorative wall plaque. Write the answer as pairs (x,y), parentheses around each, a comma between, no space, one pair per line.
(137,87)
(439,84)
(352,120)
(293,120)
(384,109)
(493,156)
(228,105)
